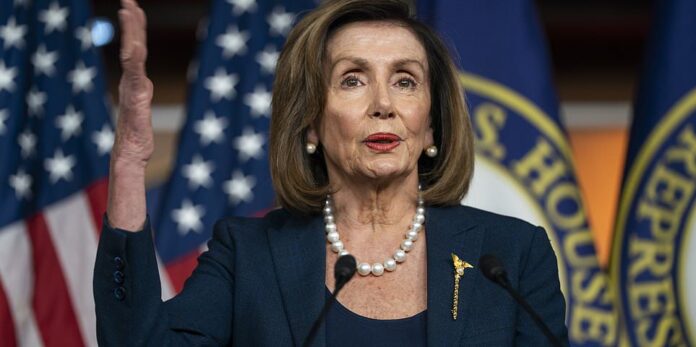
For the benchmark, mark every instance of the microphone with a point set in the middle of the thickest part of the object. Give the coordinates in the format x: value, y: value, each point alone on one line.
x: 494, y: 270
x: 343, y: 271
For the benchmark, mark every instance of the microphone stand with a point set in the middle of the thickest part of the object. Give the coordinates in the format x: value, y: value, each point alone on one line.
x: 493, y: 269
x: 535, y: 317
x: 343, y: 271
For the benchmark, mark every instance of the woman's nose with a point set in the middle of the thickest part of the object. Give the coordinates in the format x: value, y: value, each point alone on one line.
x: 382, y: 106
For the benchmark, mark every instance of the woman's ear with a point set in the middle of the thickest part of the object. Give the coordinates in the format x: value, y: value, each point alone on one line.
x: 429, y: 140
x: 312, y: 136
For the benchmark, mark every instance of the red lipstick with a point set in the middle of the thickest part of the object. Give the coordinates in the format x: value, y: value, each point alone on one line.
x: 382, y: 142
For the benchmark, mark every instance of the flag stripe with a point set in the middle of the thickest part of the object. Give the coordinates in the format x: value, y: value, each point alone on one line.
x: 51, y: 302
x: 16, y: 274
x: 7, y: 326
x: 56, y: 143
x: 71, y: 227
x: 166, y: 283
x: 179, y: 270
x: 96, y: 194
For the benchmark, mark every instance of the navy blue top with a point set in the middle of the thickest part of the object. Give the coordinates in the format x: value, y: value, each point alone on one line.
x: 262, y: 283
x: 347, y: 328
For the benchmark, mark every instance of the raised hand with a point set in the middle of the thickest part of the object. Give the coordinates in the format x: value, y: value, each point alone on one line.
x: 134, y: 142
x: 135, y: 139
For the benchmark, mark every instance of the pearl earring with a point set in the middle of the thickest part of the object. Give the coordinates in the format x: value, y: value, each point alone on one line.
x: 310, y: 148
x: 431, y: 151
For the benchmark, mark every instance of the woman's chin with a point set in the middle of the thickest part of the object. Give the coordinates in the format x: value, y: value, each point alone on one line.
x: 387, y: 171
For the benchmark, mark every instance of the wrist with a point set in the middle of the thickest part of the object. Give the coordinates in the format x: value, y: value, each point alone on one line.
x: 124, y: 166
x: 126, y: 203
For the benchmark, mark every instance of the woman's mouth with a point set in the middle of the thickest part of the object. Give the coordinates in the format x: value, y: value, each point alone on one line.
x: 382, y: 142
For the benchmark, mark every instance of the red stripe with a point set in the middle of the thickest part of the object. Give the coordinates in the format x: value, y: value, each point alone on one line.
x: 96, y: 194
x: 7, y: 331
x: 51, y: 301
x: 180, y: 269
x: 262, y: 212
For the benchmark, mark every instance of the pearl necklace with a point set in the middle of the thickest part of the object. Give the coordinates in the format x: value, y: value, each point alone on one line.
x: 376, y: 269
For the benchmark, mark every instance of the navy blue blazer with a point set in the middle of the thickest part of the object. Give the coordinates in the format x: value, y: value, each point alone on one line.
x: 261, y: 283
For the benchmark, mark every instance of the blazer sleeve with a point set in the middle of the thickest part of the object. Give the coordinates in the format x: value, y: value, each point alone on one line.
x: 540, y: 286
x: 127, y: 293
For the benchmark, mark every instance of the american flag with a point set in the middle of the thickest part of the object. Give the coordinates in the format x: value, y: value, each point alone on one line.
x: 55, y: 139
x: 221, y: 167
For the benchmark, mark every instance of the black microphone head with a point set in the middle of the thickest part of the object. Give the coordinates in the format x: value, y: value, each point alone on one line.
x: 492, y: 268
x: 345, y: 268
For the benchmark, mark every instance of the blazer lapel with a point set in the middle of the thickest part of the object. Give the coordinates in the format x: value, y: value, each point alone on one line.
x: 299, y: 259
x: 449, y: 231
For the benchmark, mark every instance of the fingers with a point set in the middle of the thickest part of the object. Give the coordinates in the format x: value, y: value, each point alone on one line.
x: 133, y: 37
x: 126, y: 33
x: 142, y: 21
x: 138, y: 18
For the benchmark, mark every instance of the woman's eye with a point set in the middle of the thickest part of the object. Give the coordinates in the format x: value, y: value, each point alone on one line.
x: 406, y: 83
x: 350, y: 82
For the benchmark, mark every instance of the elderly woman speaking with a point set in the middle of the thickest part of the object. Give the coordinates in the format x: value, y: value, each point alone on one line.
x: 371, y: 152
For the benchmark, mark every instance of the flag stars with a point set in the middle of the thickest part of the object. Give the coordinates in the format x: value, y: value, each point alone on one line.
x: 84, y: 35
x: 239, y: 188
x: 188, y: 217
x: 241, y: 6
x: 44, y: 61
x: 81, y: 77
x: 21, y: 183
x: 59, y: 167
x: 198, y: 173
x: 210, y: 128
x: 259, y: 101
x: 70, y: 124
x: 221, y: 85
x: 104, y: 139
x: 268, y: 58
x: 249, y: 144
x: 12, y: 34
x: 280, y: 21
x: 233, y: 42
x: 27, y: 143
x: 54, y: 18
x: 7, y: 76
x: 35, y: 102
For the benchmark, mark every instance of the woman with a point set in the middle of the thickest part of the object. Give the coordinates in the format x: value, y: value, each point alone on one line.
x: 371, y: 151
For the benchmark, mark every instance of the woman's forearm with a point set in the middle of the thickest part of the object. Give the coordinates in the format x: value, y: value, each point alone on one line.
x: 126, y: 207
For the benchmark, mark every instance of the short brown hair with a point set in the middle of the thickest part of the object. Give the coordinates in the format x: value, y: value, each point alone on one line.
x: 300, y: 180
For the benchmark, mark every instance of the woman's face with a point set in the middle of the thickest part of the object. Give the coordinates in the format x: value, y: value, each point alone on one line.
x: 376, y: 119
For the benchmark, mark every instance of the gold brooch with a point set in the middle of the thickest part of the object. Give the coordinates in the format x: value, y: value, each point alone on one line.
x: 459, y: 266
